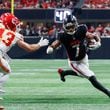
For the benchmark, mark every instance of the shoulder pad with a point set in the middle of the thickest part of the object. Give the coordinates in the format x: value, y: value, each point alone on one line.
x: 82, y: 25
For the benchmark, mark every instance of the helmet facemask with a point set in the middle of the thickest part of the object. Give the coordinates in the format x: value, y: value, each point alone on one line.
x: 19, y: 27
x: 70, y: 24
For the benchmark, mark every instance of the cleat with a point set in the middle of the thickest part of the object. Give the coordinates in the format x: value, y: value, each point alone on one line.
x: 108, y: 93
x: 1, y: 108
x: 60, y: 72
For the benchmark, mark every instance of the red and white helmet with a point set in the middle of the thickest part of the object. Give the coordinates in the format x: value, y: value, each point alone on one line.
x: 10, y: 21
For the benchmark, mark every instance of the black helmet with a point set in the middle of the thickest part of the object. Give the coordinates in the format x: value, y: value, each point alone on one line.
x: 70, y: 24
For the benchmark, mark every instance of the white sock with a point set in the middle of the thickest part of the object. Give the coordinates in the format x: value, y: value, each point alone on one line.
x: 3, y: 79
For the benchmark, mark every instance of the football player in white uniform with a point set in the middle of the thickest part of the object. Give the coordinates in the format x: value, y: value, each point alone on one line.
x: 9, y: 35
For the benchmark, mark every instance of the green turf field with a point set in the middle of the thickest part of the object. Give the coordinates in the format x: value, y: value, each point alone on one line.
x: 35, y: 85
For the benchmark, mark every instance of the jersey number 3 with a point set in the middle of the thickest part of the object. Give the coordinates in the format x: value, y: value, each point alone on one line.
x: 8, y: 38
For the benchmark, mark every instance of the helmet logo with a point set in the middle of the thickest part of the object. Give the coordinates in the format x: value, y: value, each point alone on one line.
x: 15, y: 21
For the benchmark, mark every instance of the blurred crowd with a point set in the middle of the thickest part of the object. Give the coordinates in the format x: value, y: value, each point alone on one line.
x: 51, y: 29
x: 102, y: 30
x: 33, y: 4
x: 40, y: 29
x: 94, y: 4
x: 49, y: 4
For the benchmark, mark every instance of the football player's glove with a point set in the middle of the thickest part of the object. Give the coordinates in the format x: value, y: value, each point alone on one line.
x: 94, y: 45
x: 43, y: 42
x: 49, y: 50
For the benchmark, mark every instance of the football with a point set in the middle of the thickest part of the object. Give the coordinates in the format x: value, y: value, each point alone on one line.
x: 92, y: 42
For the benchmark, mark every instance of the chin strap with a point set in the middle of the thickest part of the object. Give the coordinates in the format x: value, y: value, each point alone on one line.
x: 70, y: 33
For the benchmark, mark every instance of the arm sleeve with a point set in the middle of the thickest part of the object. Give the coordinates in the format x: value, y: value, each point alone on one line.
x: 59, y: 36
x: 83, y: 29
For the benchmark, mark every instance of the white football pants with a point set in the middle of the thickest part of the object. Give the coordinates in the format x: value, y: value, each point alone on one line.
x: 3, y: 74
x: 81, y: 67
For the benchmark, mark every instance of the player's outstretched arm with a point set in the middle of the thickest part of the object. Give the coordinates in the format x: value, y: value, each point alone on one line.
x: 32, y: 47
x: 53, y: 46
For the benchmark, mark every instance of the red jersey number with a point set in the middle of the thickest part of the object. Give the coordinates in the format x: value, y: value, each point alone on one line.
x: 9, y: 39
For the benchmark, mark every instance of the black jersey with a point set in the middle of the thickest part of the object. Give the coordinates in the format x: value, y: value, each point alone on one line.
x: 74, y: 44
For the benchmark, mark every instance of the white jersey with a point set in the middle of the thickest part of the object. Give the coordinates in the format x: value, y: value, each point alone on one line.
x: 8, y: 39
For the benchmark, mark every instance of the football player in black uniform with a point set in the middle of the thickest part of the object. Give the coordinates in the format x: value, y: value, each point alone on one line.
x: 75, y: 38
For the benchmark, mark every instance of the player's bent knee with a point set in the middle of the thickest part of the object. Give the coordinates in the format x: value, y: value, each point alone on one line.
x: 5, y: 66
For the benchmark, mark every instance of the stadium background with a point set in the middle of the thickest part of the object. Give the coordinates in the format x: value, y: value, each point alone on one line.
x: 47, y: 16
x: 35, y: 84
